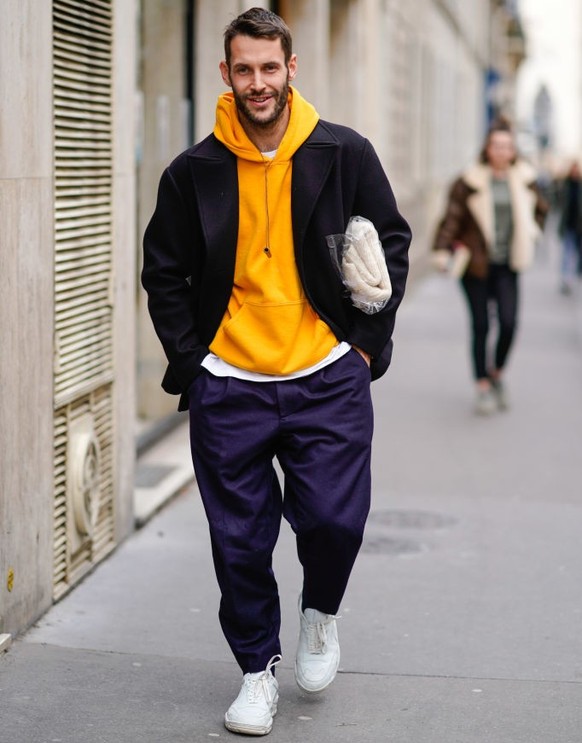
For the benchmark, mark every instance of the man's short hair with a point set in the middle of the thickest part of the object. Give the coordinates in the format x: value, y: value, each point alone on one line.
x: 258, y: 23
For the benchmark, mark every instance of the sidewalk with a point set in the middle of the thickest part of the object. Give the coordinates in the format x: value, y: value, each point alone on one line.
x: 462, y: 622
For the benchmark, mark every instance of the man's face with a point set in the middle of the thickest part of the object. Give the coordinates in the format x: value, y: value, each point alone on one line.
x: 259, y: 78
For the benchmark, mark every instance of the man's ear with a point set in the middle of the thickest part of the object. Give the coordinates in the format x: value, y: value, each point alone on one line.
x: 292, y: 66
x: 223, y: 67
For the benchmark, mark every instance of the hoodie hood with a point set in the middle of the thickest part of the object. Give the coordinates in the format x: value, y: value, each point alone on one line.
x: 228, y: 129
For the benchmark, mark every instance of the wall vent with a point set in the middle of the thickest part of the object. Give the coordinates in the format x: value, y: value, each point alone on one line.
x: 84, y: 494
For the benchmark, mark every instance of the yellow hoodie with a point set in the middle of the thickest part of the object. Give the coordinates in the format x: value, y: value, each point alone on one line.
x: 269, y: 326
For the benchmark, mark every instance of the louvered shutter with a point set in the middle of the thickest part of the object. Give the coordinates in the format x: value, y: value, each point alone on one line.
x: 83, y: 374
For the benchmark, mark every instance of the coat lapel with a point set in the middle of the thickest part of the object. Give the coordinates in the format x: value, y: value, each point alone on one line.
x: 480, y: 202
x: 311, y: 166
x: 525, y: 228
x: 214, y: 174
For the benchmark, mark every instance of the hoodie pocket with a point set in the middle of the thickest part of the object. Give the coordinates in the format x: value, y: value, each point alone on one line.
x: 274, y: 338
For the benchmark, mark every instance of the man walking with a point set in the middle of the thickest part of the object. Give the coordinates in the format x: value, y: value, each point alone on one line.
x: 269, y: 354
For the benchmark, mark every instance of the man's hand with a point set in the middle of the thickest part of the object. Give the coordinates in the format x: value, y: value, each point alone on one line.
x: 366, y: 356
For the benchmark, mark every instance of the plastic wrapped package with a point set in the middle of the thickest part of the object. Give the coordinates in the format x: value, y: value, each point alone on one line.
x: 359, y: 259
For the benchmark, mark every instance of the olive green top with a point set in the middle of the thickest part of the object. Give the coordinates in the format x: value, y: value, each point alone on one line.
x: 499, y: 251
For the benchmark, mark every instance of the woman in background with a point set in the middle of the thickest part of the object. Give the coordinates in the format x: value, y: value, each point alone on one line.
x: 493, y: 217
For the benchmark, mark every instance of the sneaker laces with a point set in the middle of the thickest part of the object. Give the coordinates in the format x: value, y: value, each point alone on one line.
x: 258, y: 684
x: 317, y: 635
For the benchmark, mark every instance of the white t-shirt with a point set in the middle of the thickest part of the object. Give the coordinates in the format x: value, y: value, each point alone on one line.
x: 220, y: 368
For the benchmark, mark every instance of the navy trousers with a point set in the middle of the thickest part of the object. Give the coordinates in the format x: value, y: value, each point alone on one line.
x: 319, y: 428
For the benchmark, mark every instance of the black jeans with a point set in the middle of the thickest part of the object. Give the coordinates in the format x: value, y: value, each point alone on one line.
x: 499, y: 289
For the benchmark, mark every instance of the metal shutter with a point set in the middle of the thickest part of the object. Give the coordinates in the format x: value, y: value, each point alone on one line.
x: 83, y: 374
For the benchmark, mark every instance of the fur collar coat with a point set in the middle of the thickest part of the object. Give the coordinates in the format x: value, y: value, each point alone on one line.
x: 469, y: 217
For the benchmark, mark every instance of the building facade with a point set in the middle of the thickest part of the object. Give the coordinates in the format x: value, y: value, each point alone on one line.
x: 98, y: 97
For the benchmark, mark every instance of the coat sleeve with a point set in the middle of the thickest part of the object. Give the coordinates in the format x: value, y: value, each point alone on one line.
x: 375, y: 201
x: 451, y: 224
x: 169, y: 263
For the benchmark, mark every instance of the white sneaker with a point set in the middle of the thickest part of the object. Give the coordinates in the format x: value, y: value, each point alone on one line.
x: 318, y: 651
x: 485, y: 403
x: 253, y: 710
x: 500, y: 394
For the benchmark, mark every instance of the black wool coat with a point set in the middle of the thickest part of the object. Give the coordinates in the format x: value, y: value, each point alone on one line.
x: 190, y: 245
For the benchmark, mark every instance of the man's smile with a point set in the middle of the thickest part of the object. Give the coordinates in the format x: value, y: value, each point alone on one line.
x: 259, y: 100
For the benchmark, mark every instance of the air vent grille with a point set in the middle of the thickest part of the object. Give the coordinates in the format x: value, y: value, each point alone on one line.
x: 82, y: 54
x: 83, y: 178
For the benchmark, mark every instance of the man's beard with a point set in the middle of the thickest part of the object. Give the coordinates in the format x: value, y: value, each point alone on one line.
x: 280, y: 103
